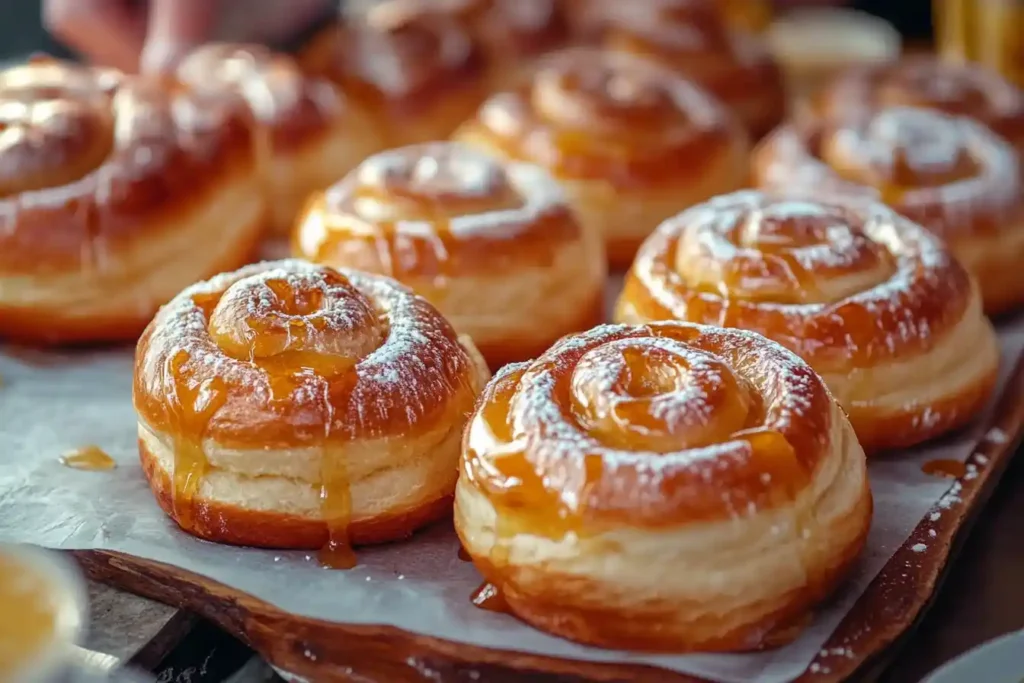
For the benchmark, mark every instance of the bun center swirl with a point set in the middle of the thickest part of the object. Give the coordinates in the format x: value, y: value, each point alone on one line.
x: 780, y: 250
x: 904, y: 147
x: 56, y: 125
x: 306, y: 320
x: 656, y: 395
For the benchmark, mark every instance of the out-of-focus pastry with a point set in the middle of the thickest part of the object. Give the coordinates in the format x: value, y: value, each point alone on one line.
x: 419, y: 75
x: 693, y: 38
x: 115, y: 193
x: 876, y: 304
x: 665, y: 487
x: 930, y: 83
x: 492, y: 244
x: 949, y: 173
x: 290, y: 405
x: 814, y: 44
x: 512, y: 33
x: 315, y: 134
x: 630, y: 142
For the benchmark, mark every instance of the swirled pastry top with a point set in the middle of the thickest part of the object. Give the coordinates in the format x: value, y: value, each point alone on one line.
x: 440, y: 209
x: 949, y: 173
x: 404, y: 60
x: 508, y: 28
x: 291, y: 103
x: 692, y: 36
x: 649, y: 426
x: 596, y: 114
x: 842, y: 282
x: 927, y: 82
x: 288, y: 354
x: 87, y: 155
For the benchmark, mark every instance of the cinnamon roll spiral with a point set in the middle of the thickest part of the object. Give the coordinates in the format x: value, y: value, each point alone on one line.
x: 114, y: 194
x: 694, y: 38
x: 316, y: 135
x: 418, y: 74
x: 289, y: 405
x: 665, y: 487
x: 930, y: 83
x: 948, y: 173
x: 629, y: 142
x: 873, y: 302
x: 491, y: 244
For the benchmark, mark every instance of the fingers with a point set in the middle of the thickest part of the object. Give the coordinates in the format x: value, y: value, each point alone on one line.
x: 107, y: 32
x: 175, y: 27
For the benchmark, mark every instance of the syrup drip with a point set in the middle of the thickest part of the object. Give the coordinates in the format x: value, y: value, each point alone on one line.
x: 952, y: 469
x: 489, y: 597
x: 336, y: 509
x: 91, y: 458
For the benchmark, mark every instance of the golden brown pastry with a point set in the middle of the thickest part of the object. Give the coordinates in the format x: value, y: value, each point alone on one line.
x: 114, y: 194
x: 668, y: 487
x: 512, y: 33
x: 694, y: 38
x: 315, y: 133
x: 491, y: 244
x: 928, y: 82
x: 419, y: 75
x: 951, y: 174
x: 873, y: 302
x: 630, y: 142
x: 289, y: 405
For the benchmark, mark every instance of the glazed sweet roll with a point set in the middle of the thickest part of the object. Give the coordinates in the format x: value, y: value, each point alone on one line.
x: 419, y: 75
x: 114, y: 194
x: 316, y: 135
x: 668, y: 487
x: 875, y: 303
x: 949, y: 173
x: 630, y: 142
x: 290, y: 405
x: 492, y: 244
x: 694, y: 38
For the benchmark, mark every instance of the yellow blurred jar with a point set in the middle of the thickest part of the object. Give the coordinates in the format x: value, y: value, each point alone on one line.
x: 990, y: 32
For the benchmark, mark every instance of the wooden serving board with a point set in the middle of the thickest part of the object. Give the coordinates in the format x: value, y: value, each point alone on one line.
x: 330, y: 651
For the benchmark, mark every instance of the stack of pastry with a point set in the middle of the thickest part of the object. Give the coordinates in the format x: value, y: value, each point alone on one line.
x: 715, y: 437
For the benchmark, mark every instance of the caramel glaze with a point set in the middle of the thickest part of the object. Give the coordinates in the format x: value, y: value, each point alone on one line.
x: 403, y: 64
x: 928, y: 82
x: 506, y: 29
x: 952, y: 469
x: 694, y: 38
x: 426, y: 213
x: 295, y: 107
x: 89, y: 155
x: 92, y: 458
x: 292, y: 355
x: 624, y: 425
x: 842, y: 283
x: 593, y: 114
x: 948, y: 173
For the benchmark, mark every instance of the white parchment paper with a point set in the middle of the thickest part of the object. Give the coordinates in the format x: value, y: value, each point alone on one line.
x: 50, y: 403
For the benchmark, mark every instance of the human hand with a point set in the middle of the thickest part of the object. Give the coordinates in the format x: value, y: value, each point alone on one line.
x: 153, y: 35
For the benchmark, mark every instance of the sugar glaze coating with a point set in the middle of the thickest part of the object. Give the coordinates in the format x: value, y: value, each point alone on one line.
x: 661, y: 447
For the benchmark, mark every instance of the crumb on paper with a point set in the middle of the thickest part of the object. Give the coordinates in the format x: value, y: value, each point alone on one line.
x: 932, y: 533
x: 935, y: 516
x: 919, y: 547
x: 996, y: 435
x: 980, y: 459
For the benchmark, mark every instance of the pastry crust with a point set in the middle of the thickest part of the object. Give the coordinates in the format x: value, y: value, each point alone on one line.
x: 948, y: 173
x: 290, y: 405
x: 418, y: 74
x: 667, y: 487
x: 876, y: 304
x: 629, y: 142
x: 695, y: 38
x: 115, y: 193
x: 928, y: 82
x: 316, y: 135
x: 492, y: 244
x: 511, y: 33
